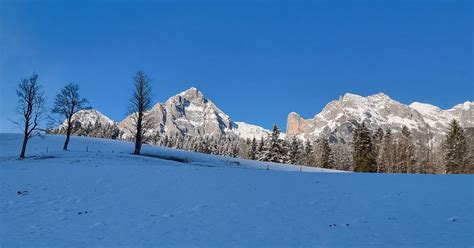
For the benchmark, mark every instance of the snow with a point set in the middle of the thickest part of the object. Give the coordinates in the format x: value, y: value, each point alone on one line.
x: 466, y: 105
x: 425, y: 108
x: 249, y: 131
x: 193, y: 107
x: 114, y: 199
x: 89, y: 116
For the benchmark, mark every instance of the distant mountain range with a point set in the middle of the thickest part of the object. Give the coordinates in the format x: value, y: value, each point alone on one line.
x: 192, y: 113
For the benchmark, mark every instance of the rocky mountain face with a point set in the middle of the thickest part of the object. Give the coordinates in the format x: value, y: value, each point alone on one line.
x: 339, y: 117
x: 191, y: 113
x: 87, y: 117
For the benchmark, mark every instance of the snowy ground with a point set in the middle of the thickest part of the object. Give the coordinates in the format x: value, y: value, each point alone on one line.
x: 113, y: 199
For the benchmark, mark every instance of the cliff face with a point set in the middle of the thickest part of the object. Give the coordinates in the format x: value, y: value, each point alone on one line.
x: 296, y: 124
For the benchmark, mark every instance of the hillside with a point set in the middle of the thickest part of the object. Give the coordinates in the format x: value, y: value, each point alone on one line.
x: 97, y: 194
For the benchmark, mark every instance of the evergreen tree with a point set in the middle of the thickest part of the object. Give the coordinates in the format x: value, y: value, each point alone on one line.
x: 406, y: 152
x: 260, y: 150
x: 378, y: 143
x: 308, y: 153
x: 327, y: 156
x: 455, y: 148
x: 386, y: 155
x: 253, y: 149
x: 363, y: 151
x: 294, y: 153
x: 274, y: 150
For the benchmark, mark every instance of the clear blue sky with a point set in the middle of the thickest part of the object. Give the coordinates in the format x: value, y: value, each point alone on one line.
x: 256, y: 60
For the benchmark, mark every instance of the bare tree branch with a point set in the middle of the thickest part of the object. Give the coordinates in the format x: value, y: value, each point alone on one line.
x: 30, y: 108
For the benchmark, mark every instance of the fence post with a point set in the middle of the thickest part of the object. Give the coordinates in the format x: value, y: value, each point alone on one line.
x: 47, y: 148
x: 87, y: 148
x: 268, y: 167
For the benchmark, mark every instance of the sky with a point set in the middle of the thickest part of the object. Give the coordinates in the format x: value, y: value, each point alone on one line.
x: 256, y: 60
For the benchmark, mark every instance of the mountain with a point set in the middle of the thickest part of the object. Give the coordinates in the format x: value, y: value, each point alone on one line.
x: 339, y: 117
x: 439, y: 119
x: 192, y: 113
x: 89, y: 117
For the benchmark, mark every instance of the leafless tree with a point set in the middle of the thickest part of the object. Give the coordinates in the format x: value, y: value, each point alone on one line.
x: 67, y: 103
x: 140, y: 103
x: 30, y: 108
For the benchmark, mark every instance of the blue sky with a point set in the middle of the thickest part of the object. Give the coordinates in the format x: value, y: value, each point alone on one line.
x: 257, y: 60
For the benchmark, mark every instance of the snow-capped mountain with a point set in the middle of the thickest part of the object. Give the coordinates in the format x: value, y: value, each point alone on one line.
x: 339, y: 117
x: 439, y: 119
x: 89, y: 117
x: 191, y: 113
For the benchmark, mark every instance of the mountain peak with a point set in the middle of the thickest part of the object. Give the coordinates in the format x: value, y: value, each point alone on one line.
x: 381, y: 95
x: 192, y: 93
x: 190, y: 90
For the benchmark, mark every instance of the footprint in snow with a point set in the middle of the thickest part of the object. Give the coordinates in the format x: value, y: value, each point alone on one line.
x: 453, y: 218
x: 22, y: 193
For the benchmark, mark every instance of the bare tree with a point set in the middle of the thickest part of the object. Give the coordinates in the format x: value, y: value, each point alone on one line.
x: 140, y: 103
x: 67, y: 103
x: 30, y: 108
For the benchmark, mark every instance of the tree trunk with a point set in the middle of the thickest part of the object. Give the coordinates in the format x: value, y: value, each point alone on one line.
x: 23, y: 147
x: 138, y: 135
x: 68, y: 134
x: 25, y: 139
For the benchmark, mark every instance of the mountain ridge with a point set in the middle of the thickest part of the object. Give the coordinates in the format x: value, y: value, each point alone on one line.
x: 190, y: 112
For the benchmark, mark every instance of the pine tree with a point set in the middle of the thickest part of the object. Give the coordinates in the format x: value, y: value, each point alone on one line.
x: 253, y: 149
x: 327, y: 156
x: 294, y: 153
x: 455, y: 148
x: 260, y: 149
x: 363, y: 151
x: 274, y: 150
x: 386, y: 156
x: 378, y: 143
x: 308, y: 153
x: 406, y: 151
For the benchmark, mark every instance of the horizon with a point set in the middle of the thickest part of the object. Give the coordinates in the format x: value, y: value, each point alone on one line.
x: 256, y: 62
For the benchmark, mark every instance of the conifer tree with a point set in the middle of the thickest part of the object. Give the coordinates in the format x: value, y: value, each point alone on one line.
x: 406, y: 151
x: 363, y: 152
x: 386, y: 156
x: 378, y: 143
x: 253, y: 149
x: 308, y: 153
x: 327, y: 156
x: 455, y: 148
x: 294, y: 153
x: 274, y: 150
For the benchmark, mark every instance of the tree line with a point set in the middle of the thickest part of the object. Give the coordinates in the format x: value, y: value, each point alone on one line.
x: 380, y: 152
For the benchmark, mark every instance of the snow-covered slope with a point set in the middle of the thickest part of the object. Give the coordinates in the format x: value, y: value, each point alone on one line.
x: 108, y: 198
x: 338, y: 118
x: 192, y: 113
x: 438, y: 119
x: 249, y: 131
